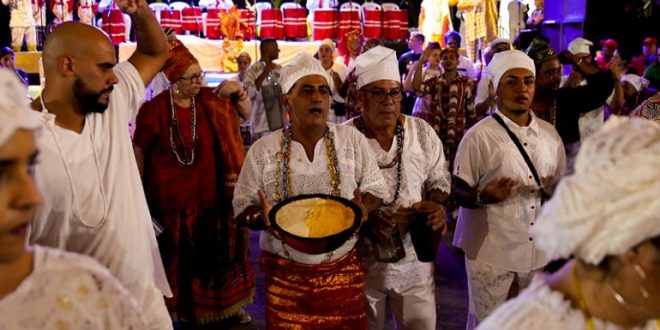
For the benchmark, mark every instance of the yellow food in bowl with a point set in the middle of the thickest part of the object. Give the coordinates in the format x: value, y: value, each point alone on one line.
x: 315, y: 217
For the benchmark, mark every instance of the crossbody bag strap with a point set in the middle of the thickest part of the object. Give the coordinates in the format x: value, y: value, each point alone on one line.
x: 515, y: 140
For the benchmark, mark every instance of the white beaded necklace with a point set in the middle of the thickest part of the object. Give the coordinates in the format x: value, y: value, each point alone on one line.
x: 76, y: 209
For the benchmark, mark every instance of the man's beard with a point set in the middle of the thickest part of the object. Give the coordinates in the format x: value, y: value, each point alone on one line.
x: 88, y: 99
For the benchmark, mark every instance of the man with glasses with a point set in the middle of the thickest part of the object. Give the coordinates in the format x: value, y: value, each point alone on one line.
x: 411, y: 159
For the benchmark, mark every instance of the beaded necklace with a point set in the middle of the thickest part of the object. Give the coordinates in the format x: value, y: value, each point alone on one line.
x: 183, y: 159
x: 284, y: 170
x: 397, y: 160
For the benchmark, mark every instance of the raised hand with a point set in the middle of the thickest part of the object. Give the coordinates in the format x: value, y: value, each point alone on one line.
x: 497, y: 189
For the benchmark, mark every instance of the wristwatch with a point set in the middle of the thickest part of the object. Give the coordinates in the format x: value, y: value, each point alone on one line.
x: 478, y: 202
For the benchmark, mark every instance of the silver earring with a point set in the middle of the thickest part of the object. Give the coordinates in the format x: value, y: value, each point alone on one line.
x: 642, y: 276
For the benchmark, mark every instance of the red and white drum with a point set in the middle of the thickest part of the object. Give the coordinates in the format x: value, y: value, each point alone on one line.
x: 112, y: 22
x: 213, y: 23
x: 271, y: 24
x: 248, y: 30
x: 325, y: 24
x: 191, y: 19
x: 349, y: 20
x: 171, y: 19
x: 295, y: 23
x: 373, y: 23
x: 391, y: 24
x: 403, y: 25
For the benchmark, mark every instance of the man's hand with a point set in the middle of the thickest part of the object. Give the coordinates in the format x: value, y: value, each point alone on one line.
x: 434, y: 213
x: 129, y: 6
x: 265, y: 210
x: 497, y: 190
x: 229, y: 88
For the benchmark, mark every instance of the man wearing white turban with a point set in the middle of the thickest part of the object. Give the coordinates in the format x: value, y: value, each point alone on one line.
x: 410, y: 157
x: 606, y: 215
x: 499, y: 193
x: 309, y: 156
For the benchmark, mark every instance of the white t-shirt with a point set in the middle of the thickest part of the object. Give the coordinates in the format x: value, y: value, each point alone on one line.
x: 498, y: 234
x: 101, y: 177
x: 424, y: 168
x: 358, y: 169
x: 69, y: 291
x: 540, y: 308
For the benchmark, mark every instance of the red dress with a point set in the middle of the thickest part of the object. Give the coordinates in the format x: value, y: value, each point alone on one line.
x: 203, y: 249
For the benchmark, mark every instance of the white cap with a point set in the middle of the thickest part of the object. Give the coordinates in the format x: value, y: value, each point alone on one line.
x: 636, y: 81
x: 499, y: 41
x: 507, y: 60
x: 378, y: 63
x: 329, y: 43
x: 579, y: 46
x: 610, y: 203
x: 302, y: 65
x: 15, y: 112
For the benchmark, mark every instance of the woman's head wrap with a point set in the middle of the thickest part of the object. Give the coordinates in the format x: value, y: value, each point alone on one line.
x: 610, y: 203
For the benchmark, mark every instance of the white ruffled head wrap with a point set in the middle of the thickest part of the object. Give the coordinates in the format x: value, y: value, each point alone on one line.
x: 15, y: 112
x: 329, y: 43
x: 378, y: 63
x: 636, y: 81
x: 579, y: 46
x: 507, y: 60
x: 611, y: 203
x: 302, y: 65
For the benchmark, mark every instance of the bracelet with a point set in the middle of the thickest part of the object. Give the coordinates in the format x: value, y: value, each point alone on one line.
x: 478, y: 202
x: 253, y: 218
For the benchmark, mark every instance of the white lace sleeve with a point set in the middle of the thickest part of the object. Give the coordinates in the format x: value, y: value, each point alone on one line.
x: 367, y: 174
x: 71, y: 292
x: 438, y: 168
x: 250, y: 181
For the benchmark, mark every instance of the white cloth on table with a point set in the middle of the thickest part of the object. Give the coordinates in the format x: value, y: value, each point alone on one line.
x: 498, y: 234
x: 424, y: 168
x: 539, y: 307
x: 258, y: 120
x: 358, y: 169
x: 124, y: 241
x: 69, y: 291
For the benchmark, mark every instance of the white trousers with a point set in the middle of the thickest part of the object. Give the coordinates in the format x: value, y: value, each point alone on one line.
x: 489, y: 287
x: 413, y: 308
x: 19, y: 33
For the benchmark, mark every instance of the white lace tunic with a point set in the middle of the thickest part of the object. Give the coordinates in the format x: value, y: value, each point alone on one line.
x: 540, y: 308
x: 69, y: 291
x: 424, y: 168
x: 357, y: 166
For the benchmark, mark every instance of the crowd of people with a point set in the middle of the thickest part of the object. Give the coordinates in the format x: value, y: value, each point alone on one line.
x: 549, y: 184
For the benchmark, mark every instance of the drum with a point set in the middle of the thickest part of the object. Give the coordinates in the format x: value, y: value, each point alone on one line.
x: 248, y: 24
x: 325, y: 24
x: 112, y: 23
x: 373, y: 23
x: 295, y: 23
x: 191, y: 19
x: 349, y: 20
x: 271, y: 24
x: 213, y: 23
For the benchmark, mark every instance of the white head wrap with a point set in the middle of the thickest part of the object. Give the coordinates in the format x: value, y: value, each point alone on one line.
x: 507, y: 60
x: 302, y: 65
x: 579, y: 46
x: 611, y: 202
x: 329, y: 43
x: 636, y: 81
x: 15, y: 112
x: 378, y: 63
x: 499, y: 41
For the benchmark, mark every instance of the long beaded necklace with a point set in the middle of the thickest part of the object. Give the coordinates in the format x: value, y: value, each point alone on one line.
x: 284, y: 170
x: 184, y: 159
x: 104, y: 199
x: 397, y: 160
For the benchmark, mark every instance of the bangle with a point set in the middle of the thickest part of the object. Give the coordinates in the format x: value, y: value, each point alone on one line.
x: 478, y: 202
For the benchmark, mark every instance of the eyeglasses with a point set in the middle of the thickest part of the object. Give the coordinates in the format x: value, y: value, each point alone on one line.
x: 198, y: 76
x: 380, y: 95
